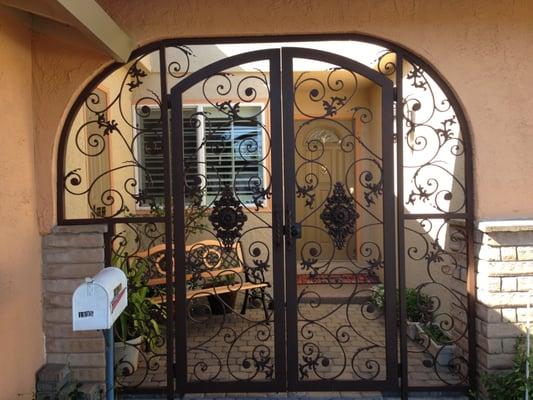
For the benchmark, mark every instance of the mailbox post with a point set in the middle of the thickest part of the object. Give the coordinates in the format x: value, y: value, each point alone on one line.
x: 96, y: 304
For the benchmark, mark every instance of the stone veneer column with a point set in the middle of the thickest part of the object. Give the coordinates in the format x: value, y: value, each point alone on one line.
x: 71, y: 253
x: 504, y: 266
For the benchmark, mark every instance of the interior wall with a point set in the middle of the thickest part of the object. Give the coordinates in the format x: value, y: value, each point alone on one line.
x: 20, y: 243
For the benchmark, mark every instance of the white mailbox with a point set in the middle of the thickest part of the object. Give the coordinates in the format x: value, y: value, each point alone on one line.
x: 98, y: 302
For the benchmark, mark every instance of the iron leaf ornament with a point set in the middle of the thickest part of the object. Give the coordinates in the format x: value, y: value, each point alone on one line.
x: 227, y: 218
x: 339, y: 215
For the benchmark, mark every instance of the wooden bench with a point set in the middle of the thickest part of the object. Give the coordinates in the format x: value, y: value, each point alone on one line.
x: 209, y: 264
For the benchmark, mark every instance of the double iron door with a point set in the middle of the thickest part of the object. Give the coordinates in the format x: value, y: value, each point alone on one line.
x: 284, y: 229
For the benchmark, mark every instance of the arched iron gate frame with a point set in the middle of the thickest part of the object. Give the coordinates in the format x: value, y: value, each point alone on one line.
x: 285, y: 83
x: 401, y: 55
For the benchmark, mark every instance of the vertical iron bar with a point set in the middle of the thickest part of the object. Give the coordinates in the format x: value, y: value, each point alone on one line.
x: 178, y: 181
x: 290, y: 253
x: 471, y: 268
x: 404, y: 382
x: 277, y: 222
x: 389, y: 232
x: 107, y: 244
x: 168, y: 222
x: 109, y: 333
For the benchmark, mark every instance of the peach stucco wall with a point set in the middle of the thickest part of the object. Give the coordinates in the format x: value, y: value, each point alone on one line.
x: 20, y: 245
x: 481, y: 47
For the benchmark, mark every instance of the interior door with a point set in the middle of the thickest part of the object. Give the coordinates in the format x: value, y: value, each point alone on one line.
x: 339, y: 198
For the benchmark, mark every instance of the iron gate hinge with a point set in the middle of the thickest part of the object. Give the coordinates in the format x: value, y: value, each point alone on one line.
x: 395, y: 93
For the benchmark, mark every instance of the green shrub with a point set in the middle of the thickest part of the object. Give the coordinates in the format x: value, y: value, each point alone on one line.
x: 436, y: 333
x: 419, y: 306
x: 511, y: 384
x: 137, y: 319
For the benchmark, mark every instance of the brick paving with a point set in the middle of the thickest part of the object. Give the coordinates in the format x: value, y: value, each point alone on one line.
x: 341, y: 345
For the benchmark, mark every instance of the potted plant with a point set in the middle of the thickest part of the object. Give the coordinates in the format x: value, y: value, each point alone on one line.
x: 420, y: 324
x: 417, y: 304
x: 437, y: 343
x: 135, y: 327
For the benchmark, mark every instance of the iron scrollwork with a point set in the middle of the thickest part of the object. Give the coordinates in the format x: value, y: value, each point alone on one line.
x: 333, y: 343
x: 226, y: 344
x: 337, y: 341
x: 339, y: 215
x: 227, y: 217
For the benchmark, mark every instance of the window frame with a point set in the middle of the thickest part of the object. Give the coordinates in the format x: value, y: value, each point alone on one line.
x: 263, y: 118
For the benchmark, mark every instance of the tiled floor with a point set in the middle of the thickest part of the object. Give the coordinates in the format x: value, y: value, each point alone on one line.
x: 336, y: 341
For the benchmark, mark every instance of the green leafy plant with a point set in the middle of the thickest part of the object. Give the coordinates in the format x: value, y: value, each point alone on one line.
x: 136, y: 320
x: 436, y: 333
x: 195, y: 213
x: 418, y: 305
x: 511, y: 384
x: 222, y: 280
x: 378, y: 296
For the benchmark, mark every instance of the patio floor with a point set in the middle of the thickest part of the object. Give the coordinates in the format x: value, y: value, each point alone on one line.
x: 343, y: 345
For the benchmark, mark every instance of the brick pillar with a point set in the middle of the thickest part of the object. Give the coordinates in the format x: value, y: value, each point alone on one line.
x: 71, y: 253
x: 504, y: 258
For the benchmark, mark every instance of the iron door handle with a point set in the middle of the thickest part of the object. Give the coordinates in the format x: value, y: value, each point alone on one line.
x: 292, y: 230
x: 296, y: 231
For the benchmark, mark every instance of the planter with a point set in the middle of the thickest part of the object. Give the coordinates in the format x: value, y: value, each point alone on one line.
x: 412, y: 330
x: 127, y: 356
x: 443, y: 353
x: 223, y: 303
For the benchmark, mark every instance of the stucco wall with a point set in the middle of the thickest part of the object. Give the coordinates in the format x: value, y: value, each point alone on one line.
x: 20, y: 243
x: 480, y: 47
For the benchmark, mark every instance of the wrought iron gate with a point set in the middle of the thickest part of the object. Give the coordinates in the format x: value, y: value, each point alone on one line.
x: 289, y: 219
x: 342, y: 233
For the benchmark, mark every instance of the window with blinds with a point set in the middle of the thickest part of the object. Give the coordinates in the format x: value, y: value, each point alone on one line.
x: 150, y: 145
x: 218, y: 150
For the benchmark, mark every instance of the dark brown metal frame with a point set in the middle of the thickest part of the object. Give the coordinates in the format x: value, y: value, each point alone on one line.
x: 401, y: 54
x: 391, y: 383
x: 278, y: 384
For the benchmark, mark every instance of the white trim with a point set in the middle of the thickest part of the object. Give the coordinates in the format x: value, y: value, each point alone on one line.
x: 516, y: 225
x: 98, y: 25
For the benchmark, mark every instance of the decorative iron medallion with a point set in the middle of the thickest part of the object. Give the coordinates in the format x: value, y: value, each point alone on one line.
x: 227, y: 217
x: 339, y: 215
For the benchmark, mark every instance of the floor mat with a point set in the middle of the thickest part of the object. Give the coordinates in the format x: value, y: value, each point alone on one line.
x: 321, y: 279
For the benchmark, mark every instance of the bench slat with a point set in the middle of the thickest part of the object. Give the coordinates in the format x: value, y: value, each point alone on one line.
x: 198, y: 293
x: 214, y: 273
